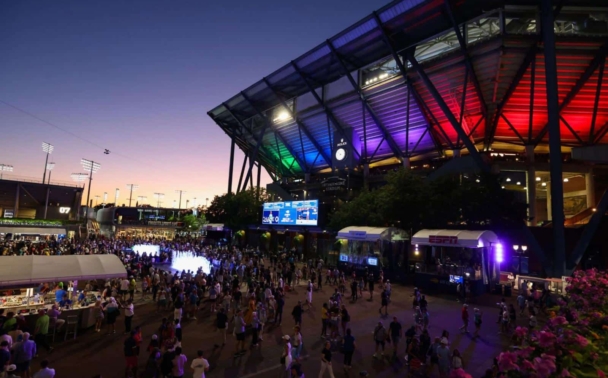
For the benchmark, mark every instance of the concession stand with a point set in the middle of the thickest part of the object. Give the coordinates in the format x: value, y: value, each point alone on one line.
x: 22, y: 277
x: 373, y: 249
x: 447, y: 258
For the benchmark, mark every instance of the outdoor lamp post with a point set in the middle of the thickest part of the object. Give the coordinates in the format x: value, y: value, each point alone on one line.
x: 48, y: 148
x: 91, y: 167
x: 105, y: 197
x: 131, y: 188
x: 116, y: 193
x: 5, y: 168
x: 159, y: 196
x: 96, y: 200
x: 49, y: 167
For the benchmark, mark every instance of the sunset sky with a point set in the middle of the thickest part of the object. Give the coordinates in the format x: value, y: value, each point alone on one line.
x: 138, y: 77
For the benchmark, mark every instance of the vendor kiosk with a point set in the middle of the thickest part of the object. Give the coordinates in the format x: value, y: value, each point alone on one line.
x: 372, y: 249
x: 452, y: 260
x: 22, y: 276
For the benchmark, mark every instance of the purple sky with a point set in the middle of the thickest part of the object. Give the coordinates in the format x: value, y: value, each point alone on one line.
x: 138, y: 77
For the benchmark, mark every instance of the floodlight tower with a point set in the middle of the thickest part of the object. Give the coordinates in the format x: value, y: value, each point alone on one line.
x: 180, y: 197
x: 116, y: 197
x: 131, y: 188
x: 5, y: 168
x: 49, y: 167
x: 142, y: 199
x: 158, y: 196
x: 105, y: 197
x: 79, y: 177
x: 48, y: 148
x: 91, y: 167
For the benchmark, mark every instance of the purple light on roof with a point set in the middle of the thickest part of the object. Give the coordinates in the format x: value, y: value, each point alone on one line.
x: 498, y: 252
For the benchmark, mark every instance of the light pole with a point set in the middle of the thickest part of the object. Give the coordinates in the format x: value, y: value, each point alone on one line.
x: 5, y: 168
x: 48, y: 148
x: 49, y: 167
x: 187, y: 201
x: 516, y: 248
x: 91, y: 167
x: 142, y: 199
x: 96, y: 200
x: 180, y: 197
x: 158, y: 196
x: 206, y: 201
x: 116, y: 193
x: 194, y: 202
x: 131, y: 188
x: 79, y: 177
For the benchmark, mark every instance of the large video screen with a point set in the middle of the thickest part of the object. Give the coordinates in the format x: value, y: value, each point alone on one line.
x: 289, y: 213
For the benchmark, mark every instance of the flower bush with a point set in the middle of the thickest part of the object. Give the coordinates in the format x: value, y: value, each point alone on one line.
x: 573, y: 342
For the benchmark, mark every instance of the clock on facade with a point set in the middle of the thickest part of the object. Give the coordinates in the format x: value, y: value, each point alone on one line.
x: 340, y: 154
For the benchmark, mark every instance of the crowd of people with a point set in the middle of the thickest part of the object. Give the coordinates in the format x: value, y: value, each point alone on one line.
x: 244, y: 293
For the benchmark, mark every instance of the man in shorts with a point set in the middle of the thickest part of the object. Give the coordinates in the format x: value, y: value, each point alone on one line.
x: 239, y: 332
x: 395, y: 331
x: 130, y: 345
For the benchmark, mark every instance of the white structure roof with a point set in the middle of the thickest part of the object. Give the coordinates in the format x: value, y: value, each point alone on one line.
x: 364, y: 233
x: 28, y: 270
x: 455, y: 238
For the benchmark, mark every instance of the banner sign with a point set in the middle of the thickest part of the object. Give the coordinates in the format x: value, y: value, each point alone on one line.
x: 436, y: 239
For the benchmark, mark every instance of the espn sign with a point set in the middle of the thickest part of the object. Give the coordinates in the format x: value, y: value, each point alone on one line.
x: 436, y: 239
x: 64, y: 210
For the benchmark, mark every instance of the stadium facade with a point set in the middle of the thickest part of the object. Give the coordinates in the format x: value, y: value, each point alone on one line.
x: 440, y: 86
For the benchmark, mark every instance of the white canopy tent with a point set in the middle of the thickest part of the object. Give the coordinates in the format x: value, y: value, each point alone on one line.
x: 455, y: 238
x: 28, y: 270
x: 363, y: 233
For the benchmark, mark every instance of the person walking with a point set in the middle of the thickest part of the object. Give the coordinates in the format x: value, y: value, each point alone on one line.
x: 477, y: 315
x: 326, y: 361
x: 309, y: 288
x: 199, y: 365
x: 129, y: 312
x: 370, y: 280
x: 297, y: 343
x: 286, y: 358
x: 23, y: 353
x: 239, y: 333
x: 465, y: 318
x: 297, y: 313
x: 278, y: 317
x: 98, y: 313
x: 379, y: 338
x: 324, y: 320
x: 348, y: 347
x: 45, y: 371
x: 395, y: 331
x: 179, y: 363
x: 384, y: 303
x: 443, y: 358
x: 344, y: 318
x: 130, y: 350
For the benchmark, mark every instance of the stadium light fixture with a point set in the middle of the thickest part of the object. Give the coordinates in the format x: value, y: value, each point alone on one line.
x: 282, y: 116
x: 159, y: 196
x: 49, y: 167
x: 48, y: 148
x: 79, y: 176
x: 5, y: 168
x: 131, y: 188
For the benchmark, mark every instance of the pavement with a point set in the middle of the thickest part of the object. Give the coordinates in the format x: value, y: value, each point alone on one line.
x: 102, y: 353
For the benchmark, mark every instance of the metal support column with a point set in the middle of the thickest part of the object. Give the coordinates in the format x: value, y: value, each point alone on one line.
x: 46, y: 202
x: 231, y: 168
x: 238, y: 188
x: 555, y: 153
x: 531, y: 185
x: 259, y: 179
x: 16, y: 209
x: 406, y: 163
x: 590, y: 189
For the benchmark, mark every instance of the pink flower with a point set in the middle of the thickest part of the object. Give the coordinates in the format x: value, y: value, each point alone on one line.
x: 459, y: 373
x: 544, y: 365
x: 546, y: 339
x: 521, y: 332
x: 527, y: 365
x: 601, y: 374
x: 525, y: 352
x: 507, y: 361
x: 565, y: 373
x: 581, y: 341
x: 558, y: 321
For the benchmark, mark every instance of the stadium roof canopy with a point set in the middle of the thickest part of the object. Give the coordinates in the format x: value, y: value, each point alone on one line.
x: 410, y: 74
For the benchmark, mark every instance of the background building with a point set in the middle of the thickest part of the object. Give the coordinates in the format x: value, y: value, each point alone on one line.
x: 439, y: 87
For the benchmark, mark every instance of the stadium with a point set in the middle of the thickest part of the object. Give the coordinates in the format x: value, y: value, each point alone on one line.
x: 439, y: 87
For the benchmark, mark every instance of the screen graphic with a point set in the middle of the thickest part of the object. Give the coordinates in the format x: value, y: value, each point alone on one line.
x: 291, y: 213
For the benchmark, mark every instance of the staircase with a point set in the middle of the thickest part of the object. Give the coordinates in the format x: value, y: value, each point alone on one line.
x: 580, y: 218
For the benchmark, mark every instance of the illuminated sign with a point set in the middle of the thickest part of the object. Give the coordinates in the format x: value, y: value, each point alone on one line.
x: 303, y: 213
x: 436, y: 239
x: 64, y: 210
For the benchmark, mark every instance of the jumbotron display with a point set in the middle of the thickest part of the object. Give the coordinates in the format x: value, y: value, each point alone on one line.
x: 291, y: 213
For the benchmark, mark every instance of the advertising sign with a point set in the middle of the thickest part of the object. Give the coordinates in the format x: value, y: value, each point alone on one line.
x: 436, y: 239
x: 291, y: 213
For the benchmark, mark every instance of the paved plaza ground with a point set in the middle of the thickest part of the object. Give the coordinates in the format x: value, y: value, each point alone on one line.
x: 101, y: 353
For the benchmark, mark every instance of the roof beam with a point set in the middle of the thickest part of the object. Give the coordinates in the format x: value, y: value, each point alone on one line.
x: 258, y: 140
x: 595, y: 63
x: 530, y: 56
x: 289, y: 148
x: 420, y: 104
x: 300, y: 124
x: 389, y: 139
x: 326, y: 109
x: 467, y: 56
x: 410, y: 87
x: 244, y: 126
x: 598, y: 90
x: 483, y: 166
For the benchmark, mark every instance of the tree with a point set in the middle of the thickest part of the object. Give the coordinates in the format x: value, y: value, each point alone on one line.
x: 237, y: 210
x: 362, y: 211
x: 193, y: 223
